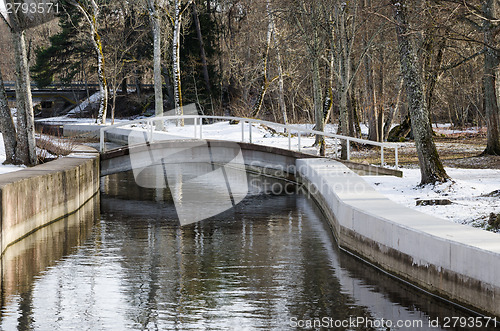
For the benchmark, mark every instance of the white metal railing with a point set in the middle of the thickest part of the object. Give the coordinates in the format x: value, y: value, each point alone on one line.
x: 198, y: 131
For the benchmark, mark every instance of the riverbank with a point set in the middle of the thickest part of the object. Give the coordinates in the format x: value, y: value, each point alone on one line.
x: 34, y: 197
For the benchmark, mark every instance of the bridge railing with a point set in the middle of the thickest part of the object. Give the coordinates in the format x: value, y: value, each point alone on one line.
x: 11, y: 85
x: 246, y: 131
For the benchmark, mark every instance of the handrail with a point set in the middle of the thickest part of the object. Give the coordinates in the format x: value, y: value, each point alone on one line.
x: 198, y: 121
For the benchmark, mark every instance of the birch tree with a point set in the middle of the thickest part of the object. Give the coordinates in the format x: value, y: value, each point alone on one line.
x: 90, y: 11
x: 155, y: 19
x: 179, y: 9
x: 431, y: 168
x: 274, y: 32
x: 264, y: 81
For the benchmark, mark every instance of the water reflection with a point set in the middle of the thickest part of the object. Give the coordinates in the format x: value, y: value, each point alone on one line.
x: 24, y: 261
x: 267, y: 262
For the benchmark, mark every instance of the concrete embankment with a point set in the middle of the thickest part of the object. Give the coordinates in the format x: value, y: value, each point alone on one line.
x: 34, y: 197
x: 454, y: 261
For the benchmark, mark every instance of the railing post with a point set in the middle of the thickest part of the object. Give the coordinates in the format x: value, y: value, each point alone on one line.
x: 298, y: 136
x: 102, y: 145
x: 336, y: 147
x: 289, y: 139
x: 396, y: 156
x: 242, y: 131
x: 382, y: 156
x: 195, y: 127
x: 348, y: 149
x: 151, y: 129
x: 201, y: 128
x: 250, y: 131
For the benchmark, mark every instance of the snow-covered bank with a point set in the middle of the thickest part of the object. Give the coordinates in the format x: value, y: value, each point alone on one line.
x: 6, y: 168
x: 467, y: 192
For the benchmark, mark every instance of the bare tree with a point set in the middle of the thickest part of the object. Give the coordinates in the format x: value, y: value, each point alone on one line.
x: 308, y: 18
x: 7, y: 126
x: 90, y: 10
x: 155, y: 18
x: 179, y: 9
x: 25, y: 152
x: 124, y: 33
x: 431, y: 168
x: 203, y: 54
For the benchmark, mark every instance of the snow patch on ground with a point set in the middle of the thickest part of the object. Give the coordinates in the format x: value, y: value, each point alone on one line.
x: 93, y: 99
x: 447, y: 129
x: 466, y: 191
x: 6, y: 168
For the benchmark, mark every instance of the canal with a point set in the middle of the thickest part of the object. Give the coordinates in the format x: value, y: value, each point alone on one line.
x: 123, y: 262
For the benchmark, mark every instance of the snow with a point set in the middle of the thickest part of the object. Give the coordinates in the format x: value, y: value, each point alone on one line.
x: 447, y: 129
x: 466, y: 191
x: 6, y: 168
x: 93, y: 99
x: 260, y: 135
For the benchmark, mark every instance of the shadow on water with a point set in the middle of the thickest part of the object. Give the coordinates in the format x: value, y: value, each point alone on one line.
x: 269, y: 263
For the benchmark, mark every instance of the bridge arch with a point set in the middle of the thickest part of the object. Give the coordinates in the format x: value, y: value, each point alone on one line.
x: 265, y: 159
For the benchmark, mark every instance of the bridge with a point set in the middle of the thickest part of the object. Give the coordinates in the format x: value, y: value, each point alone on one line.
x: 138, y: 140
x: 56, y: 93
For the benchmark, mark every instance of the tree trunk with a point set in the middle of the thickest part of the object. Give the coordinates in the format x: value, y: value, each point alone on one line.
x: 344, y: 78
x: 431, y: 168
x: 202, y: 49
x: 156, y: 28
x: 264, y: 80
x: 103, y: 86
x: 351, y: 106
x: 91, y: 15
x: 26, y: 146
x: 491, y: 62
x: 168, y: 86
x: 371, y: 98
x: 7, y: 126
x: 176, y: 46
x: 124, y: 85
x: 380, y: 98
x: 394, y: 108
x: 318, y: 101
x: 281, y: 91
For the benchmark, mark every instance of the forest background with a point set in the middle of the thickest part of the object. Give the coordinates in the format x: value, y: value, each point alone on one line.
x: 324, y: 61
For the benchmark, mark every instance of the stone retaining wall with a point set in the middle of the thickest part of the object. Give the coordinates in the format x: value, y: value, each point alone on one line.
x: 454, y: 261
x: 34, y: 197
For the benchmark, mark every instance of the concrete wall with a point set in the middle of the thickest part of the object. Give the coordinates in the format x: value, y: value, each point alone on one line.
x: 454, y: 261
x: 257, y: 157
x: 34, y: 197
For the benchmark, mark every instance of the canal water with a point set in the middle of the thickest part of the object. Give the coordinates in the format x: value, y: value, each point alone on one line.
x: 123, y: 262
